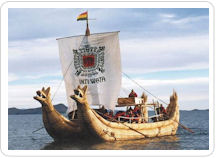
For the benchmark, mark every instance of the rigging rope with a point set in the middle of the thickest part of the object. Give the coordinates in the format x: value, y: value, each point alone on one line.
x: 143, y: 88
x: 61, y: 81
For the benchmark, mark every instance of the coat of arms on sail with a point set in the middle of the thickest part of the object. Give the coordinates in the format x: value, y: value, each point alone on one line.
x: 89, y: 61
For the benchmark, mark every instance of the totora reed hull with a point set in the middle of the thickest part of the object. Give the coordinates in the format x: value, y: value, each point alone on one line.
x: 92, y: 125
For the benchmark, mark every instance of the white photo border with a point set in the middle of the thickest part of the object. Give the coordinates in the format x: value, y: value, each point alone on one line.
x: 105, y: 4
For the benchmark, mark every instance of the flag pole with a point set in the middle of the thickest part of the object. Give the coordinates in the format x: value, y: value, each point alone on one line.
x: 87, y: 33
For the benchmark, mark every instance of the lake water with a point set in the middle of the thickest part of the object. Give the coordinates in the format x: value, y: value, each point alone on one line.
x: 20, y: 136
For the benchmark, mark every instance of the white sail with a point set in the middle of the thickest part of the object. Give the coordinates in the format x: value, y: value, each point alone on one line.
x: 93, y: 61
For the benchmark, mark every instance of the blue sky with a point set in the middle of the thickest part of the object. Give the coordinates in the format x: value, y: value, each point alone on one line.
x: 162, y: 49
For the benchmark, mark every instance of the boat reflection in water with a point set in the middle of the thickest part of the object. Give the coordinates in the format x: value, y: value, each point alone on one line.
x: 157, y: 143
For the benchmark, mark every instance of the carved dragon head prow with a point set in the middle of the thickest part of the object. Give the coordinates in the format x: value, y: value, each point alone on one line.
x: 80, y: 95
x: 43, y: 96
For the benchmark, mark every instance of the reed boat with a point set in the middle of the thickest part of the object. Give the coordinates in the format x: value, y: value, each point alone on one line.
x: 91, y: 68
x: 91, y: 124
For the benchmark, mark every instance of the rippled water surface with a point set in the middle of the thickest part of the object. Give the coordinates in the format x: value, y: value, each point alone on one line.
x: 20, y: 136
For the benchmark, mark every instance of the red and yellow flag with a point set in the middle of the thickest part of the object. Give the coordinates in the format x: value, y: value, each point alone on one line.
x: 83, y: 16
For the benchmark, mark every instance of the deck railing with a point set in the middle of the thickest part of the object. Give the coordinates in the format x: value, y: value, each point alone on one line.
x: 137, y: 118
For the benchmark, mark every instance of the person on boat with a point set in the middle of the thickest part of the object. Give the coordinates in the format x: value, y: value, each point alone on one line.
x: 118, y: 114
x: 103, y: 110
x: 130, y: 109
x: 163, y: 112
x: 137, y: 118
x: 127, y: 115
x: 109, y: 115
x: 132, y: 94
x: 130, y: 114
x: 106, y: 115
x: 157, y: 108
x: 136, y: 108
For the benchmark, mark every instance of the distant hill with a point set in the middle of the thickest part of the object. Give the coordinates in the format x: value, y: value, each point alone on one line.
x: 59, y: 107
x: 196, y: 110
x: 14, y: 111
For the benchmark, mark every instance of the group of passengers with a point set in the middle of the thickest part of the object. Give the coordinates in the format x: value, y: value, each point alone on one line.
x: 130, y: 115
x: 133, y: 115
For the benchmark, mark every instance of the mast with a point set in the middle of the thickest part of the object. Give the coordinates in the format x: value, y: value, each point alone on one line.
x: 87, y: 33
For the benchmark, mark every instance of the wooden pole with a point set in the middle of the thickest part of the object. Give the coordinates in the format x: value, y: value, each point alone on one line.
x: 38, y: 129
x: 184, y: 127
x: 87, y: 33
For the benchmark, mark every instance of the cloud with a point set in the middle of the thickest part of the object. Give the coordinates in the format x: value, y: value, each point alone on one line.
x: 147, y: 69
x: 33, y: 57
x: 162, y: 54
x: 30, y: 23
x: 184, y: 21
x: 193, y: 92
x: 21, y: 96
x: 12, y: 77
x: 34, y: 49
x: 185, y: 81
x: 40, y: 56
x: 57, y: 74
x: 60, y: 22
x: 163, y: 15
